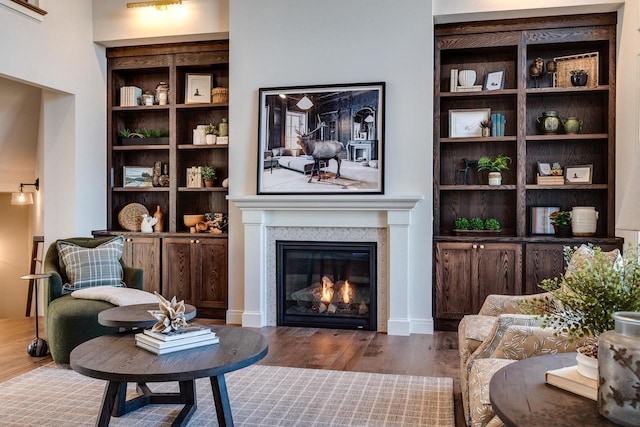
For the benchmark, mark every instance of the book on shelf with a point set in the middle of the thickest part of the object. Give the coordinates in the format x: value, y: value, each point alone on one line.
x: 550, y: 180
x: 141, y: 337
x: 129, y: 96
x: 474, y: 88
x: 187, y: 331
x: 453, y: 82
x: 570, y: 380
x: 174, y: 348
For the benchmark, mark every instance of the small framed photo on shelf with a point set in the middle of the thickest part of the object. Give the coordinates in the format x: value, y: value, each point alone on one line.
x: 494, y: 81
x: 539, y: 219
x: 137, y: 176
x: 578, y: 174
x: 198, y: 88
x: 466, y: 123
x: 544, y: 169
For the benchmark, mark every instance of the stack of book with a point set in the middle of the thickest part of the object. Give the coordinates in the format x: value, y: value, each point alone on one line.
x: 569, y: 379
x: 549, y: 180
x: 130, y: 96
x: 184, y: 338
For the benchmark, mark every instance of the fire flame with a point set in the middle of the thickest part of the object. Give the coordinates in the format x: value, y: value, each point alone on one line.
x: 327, y: 290
x: 346, y: 290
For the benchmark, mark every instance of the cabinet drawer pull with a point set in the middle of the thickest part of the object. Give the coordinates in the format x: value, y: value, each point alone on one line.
x: 191, y: 241
x: 474, y: 246
x: 197, y: 241
x: 481, y: 246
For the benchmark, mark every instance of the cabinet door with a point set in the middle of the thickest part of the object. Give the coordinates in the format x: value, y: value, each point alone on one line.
x: 144, y: 253
x: 499, y: 270
x: 177, y: 272
x: 211, y: 291
x: 543, y: 261
x: 454, y: 282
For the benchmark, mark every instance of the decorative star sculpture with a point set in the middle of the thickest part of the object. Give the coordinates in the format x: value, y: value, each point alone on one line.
x: 170, y: 316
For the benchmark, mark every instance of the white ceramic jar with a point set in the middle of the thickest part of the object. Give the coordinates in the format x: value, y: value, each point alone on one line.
x: 584, y: 221
x: 199, y: 137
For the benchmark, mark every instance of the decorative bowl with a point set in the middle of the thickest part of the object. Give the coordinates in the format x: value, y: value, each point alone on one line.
x: 192, y: 220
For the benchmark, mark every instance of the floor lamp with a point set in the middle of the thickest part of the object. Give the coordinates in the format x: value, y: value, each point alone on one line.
x: 38, y: 347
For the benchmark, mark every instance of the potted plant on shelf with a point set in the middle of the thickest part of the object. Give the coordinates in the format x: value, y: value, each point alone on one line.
x: 561, y: 221
x: 148, y: 136
x: 581, y: 302
x: 495, y: 167
x: 476, y: 226
x: 485, y: 125
x: 208, y: 175
x: 210, y: 133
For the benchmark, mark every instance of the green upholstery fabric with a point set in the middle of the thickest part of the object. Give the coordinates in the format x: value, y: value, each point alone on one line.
x: 70, y: 321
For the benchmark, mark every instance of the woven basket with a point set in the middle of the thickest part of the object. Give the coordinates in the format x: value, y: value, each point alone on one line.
x: 219, y: 95
x: 585, y: 61
x: 130, y: 217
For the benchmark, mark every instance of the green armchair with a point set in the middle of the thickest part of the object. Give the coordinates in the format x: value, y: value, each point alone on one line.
x: 71, y: 321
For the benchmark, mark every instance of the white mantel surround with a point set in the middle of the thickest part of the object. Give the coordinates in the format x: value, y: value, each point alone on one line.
x: 392, y: 213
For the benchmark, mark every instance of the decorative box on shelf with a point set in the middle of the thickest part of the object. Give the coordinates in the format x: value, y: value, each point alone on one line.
x: 550, y: 180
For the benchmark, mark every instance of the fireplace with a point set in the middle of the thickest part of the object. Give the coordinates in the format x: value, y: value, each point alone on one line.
x: 326, y: 284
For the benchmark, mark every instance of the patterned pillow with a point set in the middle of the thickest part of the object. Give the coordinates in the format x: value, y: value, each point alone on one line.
x: 87, y: 267
x: 583, y: 256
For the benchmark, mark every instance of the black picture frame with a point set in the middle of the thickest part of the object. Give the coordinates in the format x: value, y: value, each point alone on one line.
x: 539, y: 219
x: 345, y: 121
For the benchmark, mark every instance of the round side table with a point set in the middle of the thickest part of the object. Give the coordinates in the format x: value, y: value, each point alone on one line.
x: 38, y: 347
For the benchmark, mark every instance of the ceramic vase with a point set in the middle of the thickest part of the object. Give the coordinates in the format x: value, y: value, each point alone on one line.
x: 467, y: 78
x: 584, y: 221
x: 619, y: 370
x: 495, y: 178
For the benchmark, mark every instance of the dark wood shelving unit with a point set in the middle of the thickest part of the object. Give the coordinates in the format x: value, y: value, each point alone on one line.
x: 176, y: 262
x: 467, y: 269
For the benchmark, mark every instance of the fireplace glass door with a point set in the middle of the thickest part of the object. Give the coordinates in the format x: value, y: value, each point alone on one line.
x: 326, y: 284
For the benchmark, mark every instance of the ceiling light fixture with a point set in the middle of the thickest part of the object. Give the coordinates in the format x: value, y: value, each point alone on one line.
x: 23, y: 198
x: 159, y: 4
x: 305, y: 103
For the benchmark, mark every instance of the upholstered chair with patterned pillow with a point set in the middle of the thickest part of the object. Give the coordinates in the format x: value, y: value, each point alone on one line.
x: 81, y: 263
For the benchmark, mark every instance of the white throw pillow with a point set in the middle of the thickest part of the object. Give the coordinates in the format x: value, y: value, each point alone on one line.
x: 116, y: 295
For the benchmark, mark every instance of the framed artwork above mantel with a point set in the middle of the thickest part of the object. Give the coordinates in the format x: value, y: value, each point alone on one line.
x: 321, y: 139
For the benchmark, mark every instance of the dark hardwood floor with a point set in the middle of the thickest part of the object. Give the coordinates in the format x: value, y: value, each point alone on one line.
x: 337, y: 349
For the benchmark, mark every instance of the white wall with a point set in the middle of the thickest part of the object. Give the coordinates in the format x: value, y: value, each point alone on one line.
x: 116, y: 25
x: 19, y: 124
x: 59, y: 56
x: 289, y: 43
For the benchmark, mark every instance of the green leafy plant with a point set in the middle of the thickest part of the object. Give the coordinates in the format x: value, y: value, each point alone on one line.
x: 462, y: 224
x: 581, y: 302
x: 125, y: 133
x: 477, y: 224
x: 208, y: 172
x: 500, y: 163
x: 210, y: 129
x: 560, y: 218
x: 491, y: 224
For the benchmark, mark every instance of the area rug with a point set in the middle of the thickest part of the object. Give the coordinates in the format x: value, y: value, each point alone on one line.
x: 259, y: 395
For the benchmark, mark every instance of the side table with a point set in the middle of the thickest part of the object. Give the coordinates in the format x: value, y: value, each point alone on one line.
x: 38, y: 347
x: 520, y: 397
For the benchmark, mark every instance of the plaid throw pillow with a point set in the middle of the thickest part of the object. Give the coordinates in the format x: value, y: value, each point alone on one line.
x: 88, y: 267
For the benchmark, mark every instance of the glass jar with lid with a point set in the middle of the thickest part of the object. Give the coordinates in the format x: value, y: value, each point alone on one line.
x: 162, y: 93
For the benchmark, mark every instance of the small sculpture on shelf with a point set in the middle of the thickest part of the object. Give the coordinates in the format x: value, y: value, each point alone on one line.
x: 536, y: 71
x: 485, y: 125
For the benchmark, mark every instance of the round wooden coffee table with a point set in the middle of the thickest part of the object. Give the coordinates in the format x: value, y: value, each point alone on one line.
x: 520, y: 397
x: 135, y: 316
x: 116, y: 358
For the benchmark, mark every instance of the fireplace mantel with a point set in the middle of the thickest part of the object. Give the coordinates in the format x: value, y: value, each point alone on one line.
x: 318, y: 211
x: 326, y: 202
